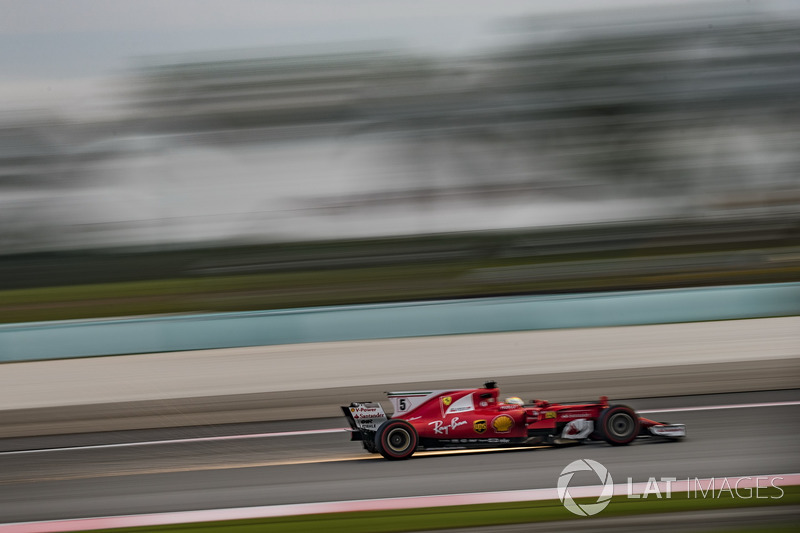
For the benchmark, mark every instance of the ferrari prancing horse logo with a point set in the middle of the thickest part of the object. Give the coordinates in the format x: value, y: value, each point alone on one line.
x: 447, y: 400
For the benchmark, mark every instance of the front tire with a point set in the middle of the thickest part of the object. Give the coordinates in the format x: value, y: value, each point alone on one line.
x: 396, y: 440
x: 618, y: 425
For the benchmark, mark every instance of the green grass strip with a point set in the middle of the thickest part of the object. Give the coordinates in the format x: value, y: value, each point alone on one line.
x: 321, y: 288
x: 433, y: 518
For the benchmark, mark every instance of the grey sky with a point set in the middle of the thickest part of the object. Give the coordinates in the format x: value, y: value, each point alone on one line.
x: 75, y: 38
x: 49, y: 49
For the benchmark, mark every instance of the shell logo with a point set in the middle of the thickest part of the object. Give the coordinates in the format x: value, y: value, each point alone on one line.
x: 502, y: 423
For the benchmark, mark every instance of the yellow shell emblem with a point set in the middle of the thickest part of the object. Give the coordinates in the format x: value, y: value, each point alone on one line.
x: 503, y: 424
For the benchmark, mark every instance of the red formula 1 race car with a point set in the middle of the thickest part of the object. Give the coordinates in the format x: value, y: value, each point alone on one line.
x: 476, y: 418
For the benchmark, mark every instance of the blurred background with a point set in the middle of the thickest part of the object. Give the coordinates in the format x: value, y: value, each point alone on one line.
x: 246, y: 155
x: 183, y: 157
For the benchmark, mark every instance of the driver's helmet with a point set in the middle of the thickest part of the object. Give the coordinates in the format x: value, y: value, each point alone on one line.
x: 514, y: 400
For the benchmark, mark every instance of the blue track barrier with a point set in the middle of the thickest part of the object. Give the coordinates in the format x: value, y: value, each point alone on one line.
x: 83, y: 338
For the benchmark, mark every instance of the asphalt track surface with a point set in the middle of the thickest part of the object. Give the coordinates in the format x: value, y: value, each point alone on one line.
x: 89, y: 478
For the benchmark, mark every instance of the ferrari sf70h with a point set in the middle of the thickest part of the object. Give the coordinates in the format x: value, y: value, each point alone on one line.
x: 476, y: 418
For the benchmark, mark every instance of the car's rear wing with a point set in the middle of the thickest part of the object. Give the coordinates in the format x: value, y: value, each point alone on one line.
x: 364, y: 418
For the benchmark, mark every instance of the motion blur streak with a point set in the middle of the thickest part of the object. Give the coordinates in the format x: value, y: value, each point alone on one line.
x: 286, y: 462
x: 205, y: 468
x: 190, y: 158
x: 718, y: 407
x: 339, y: 430
x: 383, y: 504
x: 181, y: 477
x: 677, y: 111
x: 196, y: 439
x: 648, y: 147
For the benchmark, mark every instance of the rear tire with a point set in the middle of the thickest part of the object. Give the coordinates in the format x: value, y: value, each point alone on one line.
x: 396, y: 440
x: 618, y: 425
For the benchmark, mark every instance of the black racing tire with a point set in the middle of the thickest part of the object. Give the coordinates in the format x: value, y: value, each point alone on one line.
x: 396, y: 440
x: 618, y: 425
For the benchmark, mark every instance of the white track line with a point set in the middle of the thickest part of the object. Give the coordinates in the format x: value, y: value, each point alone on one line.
x: 340, y: 430
x: 183, y: 441
x: 718, y: 407
x: 762, y: 482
